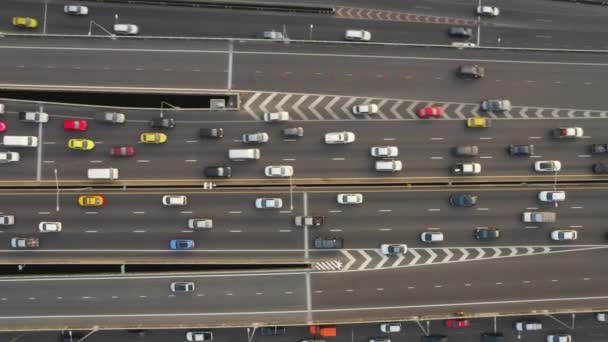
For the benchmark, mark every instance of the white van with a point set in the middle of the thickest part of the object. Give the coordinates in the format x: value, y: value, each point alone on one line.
x: 20, y: 140
x: 244, y: 154
x: 389, y: 165
x: 106, y: 173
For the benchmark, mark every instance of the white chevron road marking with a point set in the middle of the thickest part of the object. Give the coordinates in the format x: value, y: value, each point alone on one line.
x: 465, y: 254
x: 314, y: 104
x: 330, y: 110
x: 383, y: 260
x: 433, y: 256
x: 368, y: 259
x: 266, y: 101
x: 448, y: 255
x: 296, y: 107
x: 416, y: 257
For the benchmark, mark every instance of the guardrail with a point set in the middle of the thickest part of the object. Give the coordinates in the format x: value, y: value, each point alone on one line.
x: 592, y: 2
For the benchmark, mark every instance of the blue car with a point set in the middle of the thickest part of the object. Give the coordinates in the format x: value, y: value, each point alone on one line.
x: 181, y: 244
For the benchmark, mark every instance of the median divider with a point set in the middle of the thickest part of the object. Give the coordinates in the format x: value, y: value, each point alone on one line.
x: 591, y: 2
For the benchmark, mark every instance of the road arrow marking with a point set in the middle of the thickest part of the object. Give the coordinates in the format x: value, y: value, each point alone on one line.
x: 513, y: 251
x: 410, y: 109
x: 380, y: 111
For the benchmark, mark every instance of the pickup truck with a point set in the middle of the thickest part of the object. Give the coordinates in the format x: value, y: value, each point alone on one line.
x: 599, y: 148
x: 314, y: 221
x: 18, y: 242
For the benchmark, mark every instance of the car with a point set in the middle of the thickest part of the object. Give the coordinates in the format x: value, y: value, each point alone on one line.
x: 25, y: 22
x: 75, y: 125
x: 255, y: 138
x: 479, y: 122
x: 427, y: 112
x: 465, y: 151
x: 200, y: 223
x: 365, y: 109
x: 458, y: 31
x: 268, y: 203
x: 390, y: 327
x: 310, y: 221
x: 182, y: 287
x: 484, y: 233
x: 599, y: 148
x: 181, y: 244
x: 457, y: 323
x: 3, y: 126
x: 568, y: 132
x: 75, y: 10
x: 388, y: 165
x: 349, y: 198
x: 91, y: 200
x: 488, y: 11
x: 358, y: 35
x: 538, y: 216
x: 379, y: 339
x: 323, y: 330
x: 162, y: 123
x: 393, y: 249
x: 434, y: 338
x: 339, y: 138
x: 322, y: 242
x: 272, y: 331
x: 384, y: 151
x: 122, y: 151
x: 492, y: 337
x: 7, y: 220
x: 2, y: 108
x: 564, y: 235
x: 293, y: 132
x: 559, y: 338
x: 462, y: 200
x: 111, y: 117
x: 463, y: 44
x: 81, y: 144
x: 199, y: 336
x: 9, y: 157
x: 466, y: 169
x: 524, y: 325
x: 601, y: 316
x: 520, y: 150
x: 279, y: 171
x: 494, y: 105
x: 271, y: 35
x: 153, y: 138
x: 431, y: 237
x: 547, y: 166
x: 552, y: 196
x: 126, y: 29
x: 213, y: 133
x: 599, y: 168
x: 38, y: 117
x: 175, y: 200
x: 25, y: 243
x: 218, y: 171
x: 49, y: 227
x: 276, y: 116
x: 471, y: 71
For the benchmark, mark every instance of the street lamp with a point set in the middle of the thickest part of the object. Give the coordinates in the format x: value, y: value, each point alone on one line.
x: 162, y: 106
x: 310, y: 35
x: 57, y: 186
x: 115, y: 18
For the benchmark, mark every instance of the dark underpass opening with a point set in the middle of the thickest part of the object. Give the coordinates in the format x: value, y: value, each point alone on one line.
x: 130, y: 269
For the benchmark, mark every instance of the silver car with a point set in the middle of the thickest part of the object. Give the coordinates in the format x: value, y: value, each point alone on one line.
x: 7, y: 220
x: 255, y: 138
x: 384, y: 151
x: 278, y: 171
x: 269, y: 203
x: 200, y: 223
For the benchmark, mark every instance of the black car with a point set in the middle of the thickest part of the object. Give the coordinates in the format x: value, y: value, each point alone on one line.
x: 465, y: 151
x: 599, y: 148
x: 435, y: 338
x: 599, y: 168
x: 328, y: 242
x: 521, y: 150
x: 463, y: 200
x: 213, y: 133
x: 486, y: 233
x: 456, y: 31
x: 272, y: 331
x: 218, y: 172
x: 163, y: 122
x: 471, y: 71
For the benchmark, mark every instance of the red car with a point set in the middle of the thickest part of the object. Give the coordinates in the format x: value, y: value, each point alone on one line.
x: 75, y: 125
x: 122, y: 151
x: 2, y: 126
x: 457, y: 323
x: 427, y: 112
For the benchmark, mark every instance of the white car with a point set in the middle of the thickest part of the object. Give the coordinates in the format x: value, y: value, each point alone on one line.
x: 7, y: 220
x: 48, y: 227
x: 200, y: 223
x: 568, y: 132
x: 175, y: 200
x: 349, y: 198
x: 463, y: 44
x: 431, y: 237
x: 547, y: 166
x: 388, y: 165
x: 199, y: 336
x: 601, y: 317
x: 552, y: 196
x: 358, y: 35
x: 269, y: 203
x: 278, y: 171
x: 75, y: 10
x: 128, y: 29
x: 488, y: 11
x: 564, y: 235
x: 384, y: 151
x: 393, y: 249
x: 339, y: 138
x: 559, y: 338
x: 254, y: 138
x: 365, y: 109
x: 1, y: 108
x: 276, y: 116
x: 8, y: 157
x: 391, y: 327
x: 38, y: 117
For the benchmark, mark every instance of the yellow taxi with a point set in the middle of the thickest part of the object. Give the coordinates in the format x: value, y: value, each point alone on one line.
x: 25, y: 22
x: 479, y: 122
x: 91, y: 200
x: 153, y: 138
x: 81, y: 144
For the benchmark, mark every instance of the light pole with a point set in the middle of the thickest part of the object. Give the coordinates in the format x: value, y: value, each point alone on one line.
x: 57, y: 186
x: 92, y: 22
x: 115, y: 18
x: 162, y: 106
x: 498, y: 40
x: 310, y: 34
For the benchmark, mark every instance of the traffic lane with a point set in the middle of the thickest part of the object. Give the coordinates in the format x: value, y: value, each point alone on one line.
x: 590, y: 20
x: 15, y: 8
x: 28, y: 157
x: 523, y: 284
x: 542, y: 38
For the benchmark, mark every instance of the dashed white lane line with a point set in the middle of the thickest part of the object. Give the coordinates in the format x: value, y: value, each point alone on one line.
x: 290, y: 140
x: 289, y: 159
x: 143, y: 160
x: 584, y: 156
x: 485, y: 138
x: 380, y: 289
x: 335, y: 230
x: 43, y: 212
x: 284, y: 230
x: 576, y: 207
x: 411, y: 287
x: 485, y: 157
x: 385, y: 229
x: 185, y: 212
x: 139, y: 231
x: 59, y: 298
x: 433, y: 209
x: 586, y: 278
x: 525, y: 281
x: 138, y: 212
x: 32, y: 298
x: 436, y: 157
x: 187, y: 231
x: 483, y: 209
x: 468, y: 284
x: 259, y: 293
x: 499, y: 283
x: 285, y: 212
x: 437, y: 286
x: 350, y: 290
x: 191, y: 141
x: 235, y: 231
x: 95, y: 161
x: 436, y: 138
x: 385, y: 210
x: 554, y: 280
x: 534, y: 137
x: 337, y: 158
x: 576, y: 226
x: 235, y: 212
x: 48, y: 143
x: 191, y: 160
x: 319, y: 291
x: 90, y: 231
x: 237, y: 140
x: 531, y: 227
x: 335, y: 211
x: 91, y: 212
x: 85, y: 297
x: 48, y: 161
x: 531, y: 208
x: 535, y: 156
x: 433, y: 228
x: 543, y: 36
x: 389, y: 139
